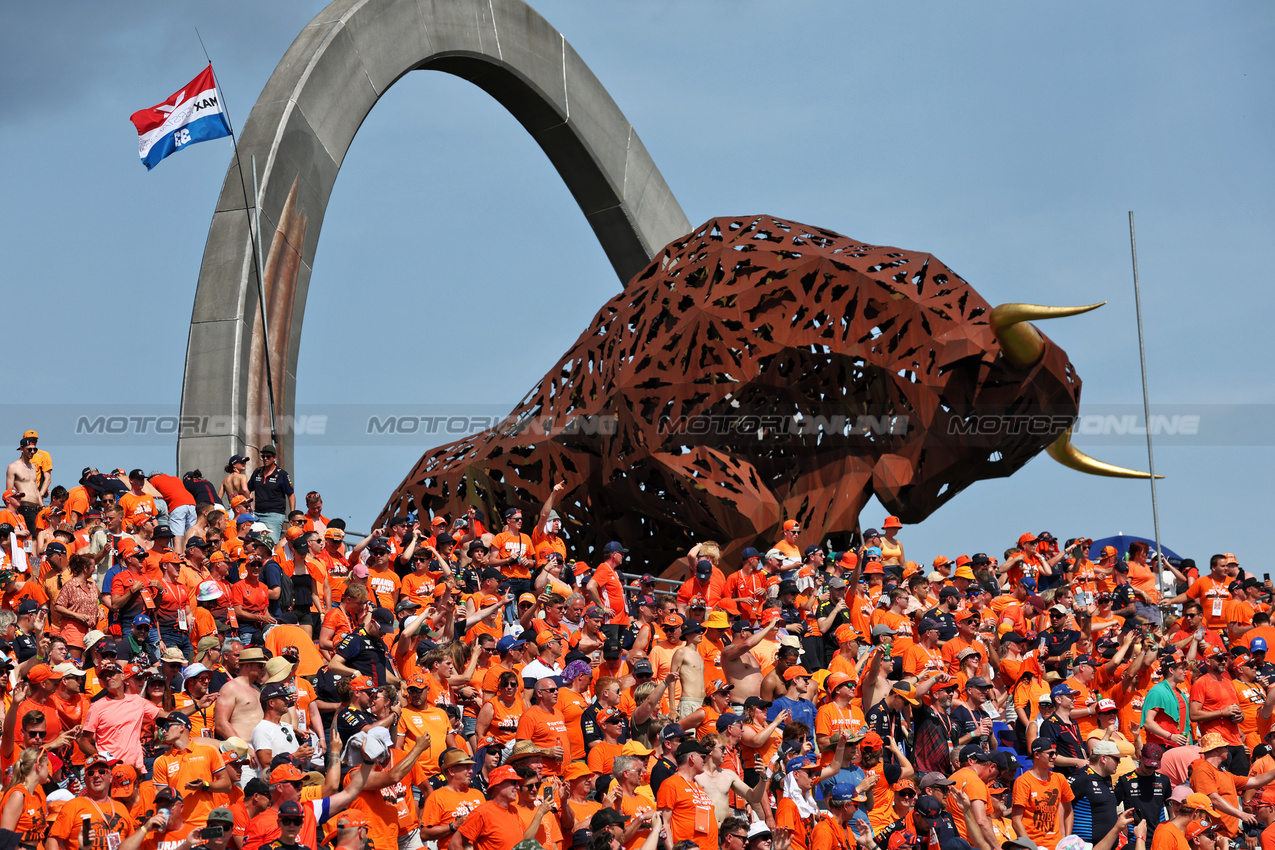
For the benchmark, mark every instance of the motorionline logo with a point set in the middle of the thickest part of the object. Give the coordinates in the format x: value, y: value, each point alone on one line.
x: 195, y: 426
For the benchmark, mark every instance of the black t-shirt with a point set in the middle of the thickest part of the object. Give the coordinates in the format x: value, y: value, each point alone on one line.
x: 592, y: 729
x: 664, y: 768
x: 946, y: 621
x: 1146, y: 795
x: 966, y: 722
x: 201, y: 490
x: 365, y: 654
x: 350, y: 721
x: 1094, y: 810
x: 1066, y: 737
x: 1057, y: 643
x: 271, y: 491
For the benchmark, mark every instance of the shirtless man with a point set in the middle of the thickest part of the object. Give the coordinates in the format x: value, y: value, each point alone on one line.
x: 238, y: 707
x: 742, y: 669
x: 24, y: 478
x: 774, y: 686
x: 688, y: 664
x: 718, y: 781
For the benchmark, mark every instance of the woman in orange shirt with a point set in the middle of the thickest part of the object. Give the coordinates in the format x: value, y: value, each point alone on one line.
x: 499, y: 716
x: 23, y: 808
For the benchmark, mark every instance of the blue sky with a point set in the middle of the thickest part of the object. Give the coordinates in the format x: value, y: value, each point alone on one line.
x: 1009, y: 139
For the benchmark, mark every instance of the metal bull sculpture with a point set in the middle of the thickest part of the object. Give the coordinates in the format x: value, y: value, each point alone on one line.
x: 759, y: 370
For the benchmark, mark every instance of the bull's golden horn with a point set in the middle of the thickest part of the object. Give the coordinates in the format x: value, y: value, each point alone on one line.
x: 1071, y: 457
x: 1020, y: 342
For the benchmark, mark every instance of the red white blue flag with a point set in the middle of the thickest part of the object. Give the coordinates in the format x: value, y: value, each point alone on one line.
x: 193, y: 114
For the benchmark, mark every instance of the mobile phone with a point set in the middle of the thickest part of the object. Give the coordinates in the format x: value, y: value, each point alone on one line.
x: 1266, y: 576
x: 210, y: 833
x: 549, y: 793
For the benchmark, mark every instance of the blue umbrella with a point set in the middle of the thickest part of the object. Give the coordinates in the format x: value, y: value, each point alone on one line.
x: 1121, y: 542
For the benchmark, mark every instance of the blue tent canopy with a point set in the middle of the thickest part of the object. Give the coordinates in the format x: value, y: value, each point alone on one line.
x: 1121, y: 542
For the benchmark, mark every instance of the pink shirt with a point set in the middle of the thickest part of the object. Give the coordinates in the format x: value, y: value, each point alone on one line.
x: 116, y: 725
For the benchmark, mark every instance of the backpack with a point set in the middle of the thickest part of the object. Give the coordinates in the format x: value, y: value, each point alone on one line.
x: 286, y: 594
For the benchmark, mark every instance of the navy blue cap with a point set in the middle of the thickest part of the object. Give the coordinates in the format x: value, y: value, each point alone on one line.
x: 750, y: 552
x: 613, y: 547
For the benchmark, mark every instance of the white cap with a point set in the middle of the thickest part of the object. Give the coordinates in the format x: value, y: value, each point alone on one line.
x: 758, y: 828
x: 66, y: 668
x: 776, y: 554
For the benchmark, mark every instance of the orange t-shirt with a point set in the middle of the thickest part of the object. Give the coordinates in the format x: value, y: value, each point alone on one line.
x: 694, y: 815
x: 1215, y: 695
x: 137, y: 509
x: 1207, y: 779
x: 546, y: 731
x: 572, y: 705
x: 506, y: 545
x: 1212, y: 596
x: 445, y: 805
x: 173, y: 491
x: 966, y: 780
x: 493, y: 827
x: 106, y: 817
x: 1040, y: 802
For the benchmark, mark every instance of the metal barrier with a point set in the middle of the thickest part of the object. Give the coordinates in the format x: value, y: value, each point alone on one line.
x: 631, y: 590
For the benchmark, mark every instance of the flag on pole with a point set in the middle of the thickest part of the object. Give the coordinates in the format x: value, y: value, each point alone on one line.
x: 193, y: 114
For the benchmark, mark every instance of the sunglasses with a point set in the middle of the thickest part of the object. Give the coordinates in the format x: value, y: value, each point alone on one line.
x: 38, y: 733
x: 907, y: 795
x: 415, y: 691
x: 94, y: 771
x: 291, y: 821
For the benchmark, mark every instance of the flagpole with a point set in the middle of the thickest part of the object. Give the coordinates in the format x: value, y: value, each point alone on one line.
x: 256, y: 253
x: 1146, y: 408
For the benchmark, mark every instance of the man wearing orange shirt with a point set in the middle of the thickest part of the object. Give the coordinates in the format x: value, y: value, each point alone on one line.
x: 966, y: 637
x: 513, y: 553
x: 494, y: 825
x: 924, y: 658
x: 748, y: 583
x: 977, y: 769
x: 688, y: 808
x: 447, y: 808
x: 787, y: 545
x: 1211, y: 592
x: 180, y: 504
x: 1224, y: 785
x: 543, y: 725
x: 137, y: 504
x: 546, y: 537
x: 1215, y: 709
x: 606, y: 589
x: 708, y: 584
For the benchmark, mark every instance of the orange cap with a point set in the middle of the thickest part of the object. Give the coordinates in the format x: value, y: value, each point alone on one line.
x: 286, y: 773
x: 294, y: 532
x: 790, y: 524
x: 333, y: 534
x: 849, y: 560
x: 795, y: 671
x: 1025, y: 538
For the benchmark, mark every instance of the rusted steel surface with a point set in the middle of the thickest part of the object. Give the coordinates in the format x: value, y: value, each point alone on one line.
x: 759, y: 370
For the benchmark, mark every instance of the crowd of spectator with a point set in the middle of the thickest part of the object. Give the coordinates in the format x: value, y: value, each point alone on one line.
x: 186, y: 664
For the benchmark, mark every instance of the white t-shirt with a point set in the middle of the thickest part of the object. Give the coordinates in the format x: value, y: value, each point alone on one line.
x: 275, y: 737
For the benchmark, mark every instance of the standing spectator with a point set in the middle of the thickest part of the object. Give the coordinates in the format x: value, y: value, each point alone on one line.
x: 88, y: 822
x: 689, y: 808
x: 543, y: 725
x: 235, y: 483
x: 1146, y: 790
x: 1064, y: 735
x: 605, y: 588
x: 1094, y: 810
x: 512, y: 552
x: 115, y: 721
x: 447, y: 808
x: 495, y: 825
x: 174, y: 613
x: 272, y: 490
x: 1042, y: 799
x: 179, y: 503
x: 315, y: 520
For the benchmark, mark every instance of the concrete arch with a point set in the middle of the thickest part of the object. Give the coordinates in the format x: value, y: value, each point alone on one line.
x: 300, y: 129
